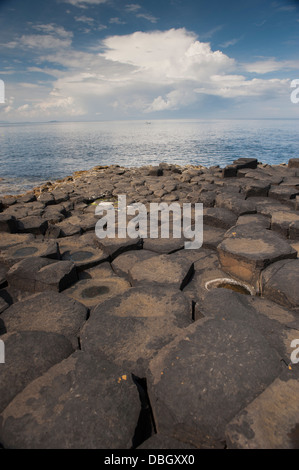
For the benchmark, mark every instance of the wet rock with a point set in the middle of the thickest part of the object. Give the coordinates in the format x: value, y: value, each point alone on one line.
x: 41, y: 274
x: 221, y: 366
x: 82, y: 389
x: 280, y: 282
x: 28, y: 354
x: 51, y: 312
x: 271, y: 420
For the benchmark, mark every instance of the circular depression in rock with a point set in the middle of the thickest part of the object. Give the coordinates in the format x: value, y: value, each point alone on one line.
x: 226, y: 283
x: 94, y: 291
x: 26, y: 251
x: 78, y: 255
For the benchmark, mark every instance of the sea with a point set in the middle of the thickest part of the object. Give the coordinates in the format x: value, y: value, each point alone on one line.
x: 34, y: 153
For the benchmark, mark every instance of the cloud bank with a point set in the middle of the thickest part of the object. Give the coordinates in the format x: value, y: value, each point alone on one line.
x: 135, y: 74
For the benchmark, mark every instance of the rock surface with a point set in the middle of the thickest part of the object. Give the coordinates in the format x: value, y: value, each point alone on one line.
x: 121, y: 343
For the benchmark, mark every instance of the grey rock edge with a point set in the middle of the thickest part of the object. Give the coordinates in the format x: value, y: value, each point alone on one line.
x: 120, y: 344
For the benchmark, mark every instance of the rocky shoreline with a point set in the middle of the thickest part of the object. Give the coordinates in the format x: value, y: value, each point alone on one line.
x: 141, y: 343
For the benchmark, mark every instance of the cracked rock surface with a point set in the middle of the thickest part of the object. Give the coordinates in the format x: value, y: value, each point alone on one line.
x: 121, y: 343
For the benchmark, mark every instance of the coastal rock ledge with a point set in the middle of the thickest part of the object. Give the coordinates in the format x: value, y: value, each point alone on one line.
x: 142, y: 343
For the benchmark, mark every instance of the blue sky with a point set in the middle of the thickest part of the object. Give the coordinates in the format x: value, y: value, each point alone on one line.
x: 120, y: 59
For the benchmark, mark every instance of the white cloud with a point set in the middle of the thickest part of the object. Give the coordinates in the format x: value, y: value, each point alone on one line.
x: 43, y: 41
x: 84, y: 19
x: 271, y: 65
x: 143, y: 72
x: 133, y: 7
x: 53, y: 29
x: 84, y: 3
x: 148, y: 17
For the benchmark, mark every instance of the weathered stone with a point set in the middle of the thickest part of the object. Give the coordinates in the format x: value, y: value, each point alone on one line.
x: 162, y: 441
x: 164, y: 245
x: 115, y: 246
x: 52, y: 312
x: 32, y: 224
x: 68, y: 229
x: 53, y: 215
x: 294, y: 230
x: 283, y: 193
x: 259, y: 219
x: 46, y: 198
x: 28, y: 197
x: 162, y: 269
x: 219, y: 217
x: 231, y: 170
x: 91, y: 292
x: 281, y: 222
x: 227, y: 304
x: 8, y: 223
x: 271, y: 420
x: 28, y: 354
x: 143, y: 320
x: 280, y: 282
x: 124, y: 262
x: 221, y: 366
x: 256, y: 188
x: 293, y: 163
x: 83, y: 389
x: 11, y: 239
x: 83, y: 256
x: 235, y: 203
x: 245, y: 255
x: 40, y: 274
x: 16, y: 253
x: 212, y: 236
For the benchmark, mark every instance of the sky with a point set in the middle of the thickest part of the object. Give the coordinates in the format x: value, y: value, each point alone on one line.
x: 95, y: 60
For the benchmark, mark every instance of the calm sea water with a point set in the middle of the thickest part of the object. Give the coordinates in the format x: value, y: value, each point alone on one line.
x: 34, y: 153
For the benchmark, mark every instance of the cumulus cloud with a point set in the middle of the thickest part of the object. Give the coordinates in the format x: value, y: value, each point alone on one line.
x: 143, y: 72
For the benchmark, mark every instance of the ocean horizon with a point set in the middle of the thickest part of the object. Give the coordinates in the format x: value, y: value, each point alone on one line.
x: 34, y: 153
